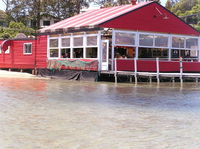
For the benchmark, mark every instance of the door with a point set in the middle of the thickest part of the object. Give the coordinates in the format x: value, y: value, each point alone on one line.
x: 105, y: 54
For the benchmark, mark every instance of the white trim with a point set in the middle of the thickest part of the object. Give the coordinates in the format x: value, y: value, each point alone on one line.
x: 24, y: 50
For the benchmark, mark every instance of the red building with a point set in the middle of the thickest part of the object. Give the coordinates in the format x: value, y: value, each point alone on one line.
x: 91, y: 41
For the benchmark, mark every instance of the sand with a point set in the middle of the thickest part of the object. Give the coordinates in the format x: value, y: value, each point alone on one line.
x: 13, y: 74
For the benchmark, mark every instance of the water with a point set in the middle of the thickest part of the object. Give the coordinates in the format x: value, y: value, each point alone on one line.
x: 55, y: 114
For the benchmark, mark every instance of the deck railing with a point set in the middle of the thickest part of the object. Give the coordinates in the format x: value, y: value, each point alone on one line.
x: 157, y: 65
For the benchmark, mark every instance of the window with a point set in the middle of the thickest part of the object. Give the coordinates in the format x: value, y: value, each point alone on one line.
x: 78, y: 41
x: 92, y: 41
x: 78, y: 53
x: 153, y: 53
x: 91, y: 52
x: 54, y: 53
x: 124, y: 38
x: 65, y: 53
x: 46, y: 23
x: 146, y: 40
x: 161, y: 41
x: 53, y: 43
x: 178, y: 42
x: 65, y: 42
x: 192, y: 43
x: 28, y: 48
x: 54, y: 50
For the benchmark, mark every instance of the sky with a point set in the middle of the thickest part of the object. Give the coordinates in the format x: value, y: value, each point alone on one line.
x: 2, y: 6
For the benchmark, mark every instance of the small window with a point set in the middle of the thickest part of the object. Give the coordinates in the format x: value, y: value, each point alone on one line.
x: 78, y: 41
x: 65, y: 42
x: 91, y: 52
x: 54, y: 53
x: 146, y: 40
x: 178, y: 42
x: 65, y: 53
x: 28, y: 48
x: 91, y: 40
x: 53, y: 43
x: 78, y: 53
x: 46, y: 23
x: 161, y: 41
x: 192, y: 43
x: 125, y: 38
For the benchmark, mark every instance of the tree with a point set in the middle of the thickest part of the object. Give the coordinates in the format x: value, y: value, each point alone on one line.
x: 21, y: 10
x: 14, y: 29
x: 168, y: 4
x: 189, y: 11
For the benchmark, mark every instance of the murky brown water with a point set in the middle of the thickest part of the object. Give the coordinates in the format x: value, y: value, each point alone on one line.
x: 52, y: 114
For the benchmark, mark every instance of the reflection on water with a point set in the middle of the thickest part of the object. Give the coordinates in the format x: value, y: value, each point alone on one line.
x: 55, y: 114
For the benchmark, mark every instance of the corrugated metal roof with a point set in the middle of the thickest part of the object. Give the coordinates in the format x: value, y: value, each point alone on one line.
x: 93, y: 17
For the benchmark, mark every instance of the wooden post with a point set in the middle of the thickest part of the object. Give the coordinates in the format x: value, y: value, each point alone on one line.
x: 131, y: 79
x: 181, y: 69
x: 135, y: 69
x: 33, y: 71
x: 115, y: 70
x: 173, y: 80
x: 150, y: 79
x: 157, y: 69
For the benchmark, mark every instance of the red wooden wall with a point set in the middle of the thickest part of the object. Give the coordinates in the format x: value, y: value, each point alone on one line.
x: 151, y: 18
x: 150, y: 66
x: 17, y: 59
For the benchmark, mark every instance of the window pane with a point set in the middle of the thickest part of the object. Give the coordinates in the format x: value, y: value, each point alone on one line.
x: 91, y: 40
x: 65, y: 53
x: 53, y: 43
x: 146, y: 40
x: 78, y: 53
x: 175, y: 53
x: 65, y: 42
x: 178, y: 42
x: 53, y: 52
x: 91, y: 52
x: 28, y: 48
x: 192, y: 43
x: 78, y: 41
x: 125, y: 38
x: 153, y: 53
x: 161, y: 41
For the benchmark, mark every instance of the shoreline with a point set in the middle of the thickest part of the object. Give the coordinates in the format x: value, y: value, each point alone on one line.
x: 14, y: 74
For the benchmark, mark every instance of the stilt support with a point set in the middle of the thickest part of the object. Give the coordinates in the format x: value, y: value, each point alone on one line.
x: 150, y: 79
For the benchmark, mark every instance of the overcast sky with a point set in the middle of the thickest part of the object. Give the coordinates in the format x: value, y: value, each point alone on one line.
x: 2, y: 6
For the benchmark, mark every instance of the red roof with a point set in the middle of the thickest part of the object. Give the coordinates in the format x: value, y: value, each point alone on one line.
x: 93, y: 17
x: 144, y: 16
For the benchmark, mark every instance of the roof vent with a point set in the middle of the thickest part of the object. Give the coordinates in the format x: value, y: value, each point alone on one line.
x: 133, y: 2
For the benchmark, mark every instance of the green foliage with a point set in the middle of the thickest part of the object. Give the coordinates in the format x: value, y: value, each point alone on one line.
x: 14, y: 29
x: 21, y: 10
x: 188, y: 10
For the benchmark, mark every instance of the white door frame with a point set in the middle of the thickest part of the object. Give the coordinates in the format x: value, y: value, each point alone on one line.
x: 104, y: 63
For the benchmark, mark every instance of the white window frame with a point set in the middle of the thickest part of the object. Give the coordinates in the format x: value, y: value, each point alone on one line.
x: 71, y: 47
x: 49, y: 48
x: 24, y: 50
